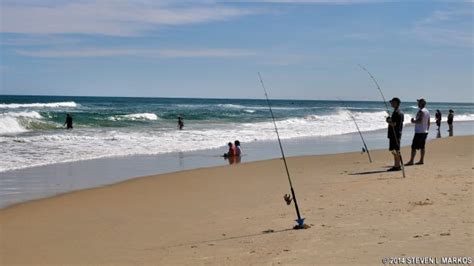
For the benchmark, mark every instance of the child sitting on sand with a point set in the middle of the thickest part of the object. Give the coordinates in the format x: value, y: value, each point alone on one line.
x: 231, y: 152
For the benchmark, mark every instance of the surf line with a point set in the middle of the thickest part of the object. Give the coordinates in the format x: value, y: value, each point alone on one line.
x: 287, y: 197
x: 388, y: 112
x: 364, y: 149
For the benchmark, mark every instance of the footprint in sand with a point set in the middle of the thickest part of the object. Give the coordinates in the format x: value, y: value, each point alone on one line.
x: 421, y: 203
x: 445, y: 234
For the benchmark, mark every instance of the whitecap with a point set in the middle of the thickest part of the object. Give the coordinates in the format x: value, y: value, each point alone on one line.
x: 139, y: 116
x: 38, y: 105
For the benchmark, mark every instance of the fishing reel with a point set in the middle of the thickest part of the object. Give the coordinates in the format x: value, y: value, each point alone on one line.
x: 287, y: 199
x: 363, y: 150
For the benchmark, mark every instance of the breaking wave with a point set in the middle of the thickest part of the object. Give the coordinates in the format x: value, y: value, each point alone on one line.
x: 37, y: 105
x: 133, y: 117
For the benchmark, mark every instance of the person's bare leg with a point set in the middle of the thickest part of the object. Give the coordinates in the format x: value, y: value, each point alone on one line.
x: 422, y: 157
x: 396, y: 158
x: 412, y: 157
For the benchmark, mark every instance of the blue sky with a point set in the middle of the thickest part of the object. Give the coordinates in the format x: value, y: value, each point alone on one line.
x: 305, y: 49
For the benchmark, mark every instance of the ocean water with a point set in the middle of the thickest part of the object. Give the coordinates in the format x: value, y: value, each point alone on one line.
x: 32, y: 131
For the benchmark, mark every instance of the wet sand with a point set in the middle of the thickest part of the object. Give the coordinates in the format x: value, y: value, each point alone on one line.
x: 236, y: 215
x: 45, y: 181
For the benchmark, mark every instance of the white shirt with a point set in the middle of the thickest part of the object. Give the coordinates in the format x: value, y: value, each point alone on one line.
x: 425, y: 120
x: 238, y: 151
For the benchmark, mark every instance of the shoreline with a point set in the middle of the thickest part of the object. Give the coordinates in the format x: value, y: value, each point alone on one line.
x: 466, y: 128
x: 358, y: 213
x: 45, y: 181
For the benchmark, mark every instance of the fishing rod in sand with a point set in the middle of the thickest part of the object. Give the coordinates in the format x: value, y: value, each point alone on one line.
x: 365, y: 149
x: 287, y: 198
x: 388, y: 112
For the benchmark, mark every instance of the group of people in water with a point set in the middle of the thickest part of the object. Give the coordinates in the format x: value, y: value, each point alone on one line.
x: 395, y: 128
x: 234, y: 154
x: 439, y: 117
x: 422, y: 126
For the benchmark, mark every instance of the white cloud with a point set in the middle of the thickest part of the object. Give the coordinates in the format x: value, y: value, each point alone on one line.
x: 108, y: 17
x: 206, y: 53
x: 332, y: 2
x: 37, y: 40
x: 449, y: 27
x: 171, y: 53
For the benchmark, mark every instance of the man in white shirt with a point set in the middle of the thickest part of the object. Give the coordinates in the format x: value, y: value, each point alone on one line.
x: 422, y: 126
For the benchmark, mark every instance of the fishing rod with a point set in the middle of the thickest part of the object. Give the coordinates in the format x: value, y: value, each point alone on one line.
x: 287, y: 198
x: 365, y: 149
x: 388, y: 112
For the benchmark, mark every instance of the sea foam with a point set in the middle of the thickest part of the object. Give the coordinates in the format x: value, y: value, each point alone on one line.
x: 140, y: 116
x: 15, y: 122
x: 37, y: 105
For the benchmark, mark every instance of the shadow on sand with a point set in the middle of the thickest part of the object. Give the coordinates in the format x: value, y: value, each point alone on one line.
x: 370, y: 172
x: 211, y: 242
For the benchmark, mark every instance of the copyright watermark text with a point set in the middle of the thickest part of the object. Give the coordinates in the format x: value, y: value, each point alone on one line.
x: 427, y: 260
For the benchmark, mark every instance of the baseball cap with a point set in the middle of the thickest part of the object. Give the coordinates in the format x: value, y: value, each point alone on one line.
x: 395, y: 99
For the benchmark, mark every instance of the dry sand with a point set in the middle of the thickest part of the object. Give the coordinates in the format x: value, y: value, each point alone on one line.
x: 235, y: 215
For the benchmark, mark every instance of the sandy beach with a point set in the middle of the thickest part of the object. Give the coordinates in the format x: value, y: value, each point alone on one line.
x: 235, y: 215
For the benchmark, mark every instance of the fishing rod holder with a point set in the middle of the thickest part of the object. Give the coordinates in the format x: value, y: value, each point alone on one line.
x: 300, y: 224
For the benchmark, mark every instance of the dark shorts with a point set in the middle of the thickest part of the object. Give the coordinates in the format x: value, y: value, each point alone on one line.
x: 419, y: 141
x: 394, y: 144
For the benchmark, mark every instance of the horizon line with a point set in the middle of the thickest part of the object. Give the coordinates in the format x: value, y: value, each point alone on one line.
x: 217, y: 98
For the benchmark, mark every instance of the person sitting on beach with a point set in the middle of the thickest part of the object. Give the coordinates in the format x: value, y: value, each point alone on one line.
x: 231, y: 152
x: 231, y: 155
x: 450, y: 122
x: 68, y: 122
x: 438, y: 117
x: 422, y: 127
x: 395, y: 127
x: 180, y: 123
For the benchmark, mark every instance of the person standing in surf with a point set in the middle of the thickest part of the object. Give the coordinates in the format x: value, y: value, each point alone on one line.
x: 68, y: 122
x: 450, y: 122
x: 422, y: 127
x: 438, y: 117
x: 394, y: 134
x: 180, y: 123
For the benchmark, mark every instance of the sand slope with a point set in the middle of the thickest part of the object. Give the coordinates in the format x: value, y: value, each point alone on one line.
x: 218, y: 215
